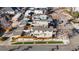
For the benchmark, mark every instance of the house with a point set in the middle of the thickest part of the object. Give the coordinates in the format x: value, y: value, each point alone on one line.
x: 38, y: 11
x: 41, y: 20
x: 41, y: 33
x: 31, y: 12
x: 75, y: 9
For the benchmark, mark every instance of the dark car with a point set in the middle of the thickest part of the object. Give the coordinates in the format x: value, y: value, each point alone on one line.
x: 52, y: 49
x: 30, y: 20
x: 25, y: 49
x: 29, y: 46
x: 12, y: 49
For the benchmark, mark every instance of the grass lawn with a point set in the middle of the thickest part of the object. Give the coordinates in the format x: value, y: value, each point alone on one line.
x: 28, y: 42
x: 40, y: 42
x: 55, y: 42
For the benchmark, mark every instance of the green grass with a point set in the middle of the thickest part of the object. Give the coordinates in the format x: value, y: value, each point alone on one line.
x: 55, y: 42
x: 23, y: 43
x: 28, y: 42
x: 40, y: 42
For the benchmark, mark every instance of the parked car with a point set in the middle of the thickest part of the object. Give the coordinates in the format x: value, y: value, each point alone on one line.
x: 29, y: 46
x: 52, y: 49
x: 25, y: 49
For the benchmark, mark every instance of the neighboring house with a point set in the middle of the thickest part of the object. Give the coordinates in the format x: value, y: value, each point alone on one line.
x: 41, y: 20
x: 75, y: 9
